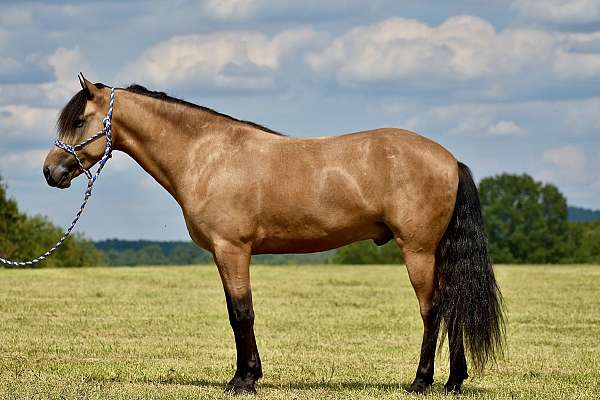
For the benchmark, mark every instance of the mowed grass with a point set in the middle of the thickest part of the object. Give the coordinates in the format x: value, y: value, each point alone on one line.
x: 326, y: 332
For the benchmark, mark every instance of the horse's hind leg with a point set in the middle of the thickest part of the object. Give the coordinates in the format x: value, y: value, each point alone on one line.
x: 233, y: 263
x: 422, y: 273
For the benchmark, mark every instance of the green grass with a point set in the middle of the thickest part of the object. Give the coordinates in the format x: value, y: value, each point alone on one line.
x: 324, y: 332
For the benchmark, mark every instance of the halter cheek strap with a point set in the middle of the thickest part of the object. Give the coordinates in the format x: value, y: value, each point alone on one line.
x: 72, y: 149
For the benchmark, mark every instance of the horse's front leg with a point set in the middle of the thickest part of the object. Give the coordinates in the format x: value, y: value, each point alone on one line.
x: 233, y: 262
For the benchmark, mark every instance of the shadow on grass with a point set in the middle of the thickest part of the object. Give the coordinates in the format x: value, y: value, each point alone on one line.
x: 271, y: 385
x: 436, y: 388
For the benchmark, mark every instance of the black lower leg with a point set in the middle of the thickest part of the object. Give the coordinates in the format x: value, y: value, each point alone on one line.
x: 458, y: 362
x: 249, y: 370
x: 424, y: 377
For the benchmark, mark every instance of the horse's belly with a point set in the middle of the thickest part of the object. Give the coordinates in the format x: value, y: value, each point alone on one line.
x: 310, y: 241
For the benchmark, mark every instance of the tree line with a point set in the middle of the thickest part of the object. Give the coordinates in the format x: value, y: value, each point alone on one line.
x: 24, y: 237
x: 148, y: 252
x: 527, y: 222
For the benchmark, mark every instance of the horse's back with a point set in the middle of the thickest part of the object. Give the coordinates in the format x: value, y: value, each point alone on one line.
x: 377, y: 160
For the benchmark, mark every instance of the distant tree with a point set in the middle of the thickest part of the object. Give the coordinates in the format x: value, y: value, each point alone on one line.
x: 590, y: 243
x: 23, y: 238
x: 10, y: 219
x: 367, y: 252
x: 585, y: 242
x: 188, y: 253
x: 134, y: 252
x: 526, y: 220
x: 143, y: 252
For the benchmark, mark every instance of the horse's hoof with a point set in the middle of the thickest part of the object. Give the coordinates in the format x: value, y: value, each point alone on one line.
x: 452, y: 388
x: 244, y: 390
x: 241, y: 387
x: 419, y: 386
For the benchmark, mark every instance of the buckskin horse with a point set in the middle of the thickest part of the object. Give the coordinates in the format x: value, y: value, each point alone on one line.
x: 245, y: 189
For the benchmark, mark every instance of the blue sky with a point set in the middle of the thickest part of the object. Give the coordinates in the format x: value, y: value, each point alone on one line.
x: 507, y: 86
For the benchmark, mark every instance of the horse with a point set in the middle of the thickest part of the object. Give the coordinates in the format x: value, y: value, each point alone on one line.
x: 245, y: 189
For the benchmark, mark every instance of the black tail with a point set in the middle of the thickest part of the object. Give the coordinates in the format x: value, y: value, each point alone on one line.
x: 470, y: 301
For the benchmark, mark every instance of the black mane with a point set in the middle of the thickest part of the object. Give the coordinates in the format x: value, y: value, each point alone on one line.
x: 139, y: 89
x: 72, y: 111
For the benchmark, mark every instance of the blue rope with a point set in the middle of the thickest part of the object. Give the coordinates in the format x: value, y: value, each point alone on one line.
x: 72, y: 149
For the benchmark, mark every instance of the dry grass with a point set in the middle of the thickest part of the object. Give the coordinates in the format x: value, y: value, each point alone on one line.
x: 324, y: 332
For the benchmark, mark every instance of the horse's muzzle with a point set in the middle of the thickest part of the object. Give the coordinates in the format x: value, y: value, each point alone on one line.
x: 57, y: 177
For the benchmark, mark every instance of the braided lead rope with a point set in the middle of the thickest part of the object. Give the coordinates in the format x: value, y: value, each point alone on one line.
x: 106, y: 131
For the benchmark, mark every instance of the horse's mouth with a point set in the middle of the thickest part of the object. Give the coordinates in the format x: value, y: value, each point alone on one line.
x: 65, y: 181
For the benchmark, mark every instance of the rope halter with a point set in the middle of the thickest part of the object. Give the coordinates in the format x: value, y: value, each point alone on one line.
x: 106, y: 131
x: 72, y: 149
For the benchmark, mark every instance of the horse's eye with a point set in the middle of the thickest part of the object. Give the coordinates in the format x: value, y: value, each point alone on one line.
x: 79, y: 123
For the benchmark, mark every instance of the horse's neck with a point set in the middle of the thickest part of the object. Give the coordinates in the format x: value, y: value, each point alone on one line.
x: 162, y: 137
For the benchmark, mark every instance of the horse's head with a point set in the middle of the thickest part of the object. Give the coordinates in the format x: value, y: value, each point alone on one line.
x: 79, y: 120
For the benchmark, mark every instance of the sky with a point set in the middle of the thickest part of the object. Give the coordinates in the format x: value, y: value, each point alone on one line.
x: 507, y: 86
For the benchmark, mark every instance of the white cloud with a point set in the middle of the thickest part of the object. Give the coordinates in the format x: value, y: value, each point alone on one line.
x: 463, y: 52
x: 15, y: 17
x: 231, y: 9
x: 560, y: 11
x: 65, y: 64
x: 23, y: 120
x: 8, y: 64
x: 506, y: 128
x: 237, y: 10
x: 461, y: 48
x: 18, y: 118
x: 30, y: 159
x: 569, y: 161
x: 536, y: 119
x: 236, y: 60
x: 466, y: 120
x: 581, y: 117
x: 574, y: 168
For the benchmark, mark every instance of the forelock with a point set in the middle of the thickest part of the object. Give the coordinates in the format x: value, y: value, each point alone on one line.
x: 67, y: 120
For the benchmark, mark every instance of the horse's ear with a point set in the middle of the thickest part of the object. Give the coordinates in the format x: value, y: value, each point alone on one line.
x: 88, y: 87
x: 81, y: 82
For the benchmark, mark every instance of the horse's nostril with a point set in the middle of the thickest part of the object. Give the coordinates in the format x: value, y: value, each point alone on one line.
x: 48, y: 176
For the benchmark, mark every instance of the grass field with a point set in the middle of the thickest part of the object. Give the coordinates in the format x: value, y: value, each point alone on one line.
x: 324, y: 332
